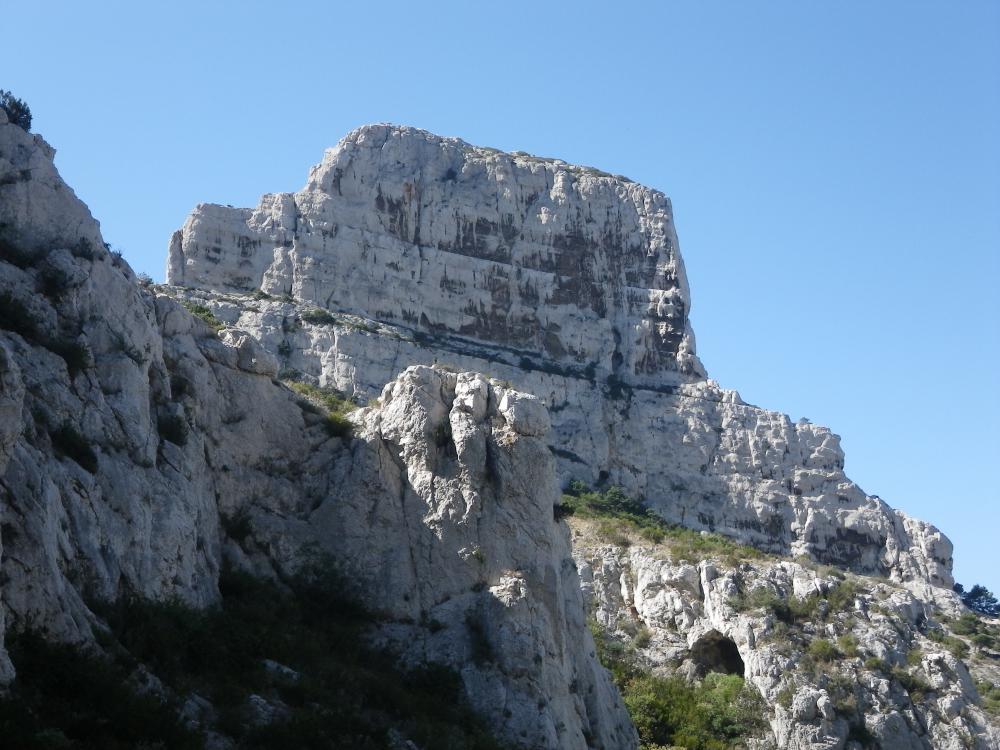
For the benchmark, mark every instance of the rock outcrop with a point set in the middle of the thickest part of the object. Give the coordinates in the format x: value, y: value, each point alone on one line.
x: 144, y: 448
x: 407, y: 248
x: 527, y: 254
x: 841, y: 661
x: 135, y: 439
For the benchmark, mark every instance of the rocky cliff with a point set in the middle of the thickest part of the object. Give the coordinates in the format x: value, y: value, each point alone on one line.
x: 141, y: 450
x: 840, y: 660
x: 405, y: 248
x: 506, y: 324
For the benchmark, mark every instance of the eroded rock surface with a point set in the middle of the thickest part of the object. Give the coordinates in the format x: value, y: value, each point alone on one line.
x: 403, y: 226
x: 408, y: 248
x: 866, y: 662
x: 140, y: 449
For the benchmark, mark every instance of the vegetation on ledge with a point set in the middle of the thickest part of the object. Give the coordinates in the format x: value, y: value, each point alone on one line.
x: 717, y: 713
x: 619, y: 516
x: 203, y: 314
x: 330, y: 403
x: 297, y: 651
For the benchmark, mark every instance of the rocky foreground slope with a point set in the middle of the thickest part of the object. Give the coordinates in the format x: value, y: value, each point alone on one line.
x: 144, y: 449
x: 839, y: 659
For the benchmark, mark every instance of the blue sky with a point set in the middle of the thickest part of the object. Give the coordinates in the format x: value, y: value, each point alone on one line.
x: 834, y: 169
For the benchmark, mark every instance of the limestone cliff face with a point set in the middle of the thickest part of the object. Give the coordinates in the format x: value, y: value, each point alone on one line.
x: 131, y: 433
x: 532, y: 255
x: 885, y: 676
x: 564, y: 281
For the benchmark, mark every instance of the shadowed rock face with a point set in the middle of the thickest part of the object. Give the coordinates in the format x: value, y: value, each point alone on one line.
x: 406, y: 227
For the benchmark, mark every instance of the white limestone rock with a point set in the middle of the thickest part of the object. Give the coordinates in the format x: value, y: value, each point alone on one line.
x: 562, y: 280
x: 130, y: 429
x: 686, y: 606
x: 403, y: 226
x: 695, y: 452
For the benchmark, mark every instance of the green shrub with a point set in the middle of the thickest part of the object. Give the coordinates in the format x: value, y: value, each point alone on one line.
x: 875, y: 664
x: 712, y: 714
x: 642, y: 638
x: 621, y: 515
x: 989, y: 694
x: 318, y: 317
x: 330, y: 403
x: 794, y: 610
x: 848, y: 645
x: 967, y: 624
x: 822, y: 650
x: 958, y: 648
x: 913, y: 684
x: 203, y: 314
x: 346, y: 693
x: 65, y: 697
x: 669, y: 711
x: 982, y: 634
x: 785, y: 696
x: 17, y: 111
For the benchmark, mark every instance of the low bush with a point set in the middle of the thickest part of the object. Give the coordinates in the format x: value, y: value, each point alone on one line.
x: 989, y: 694
x: 713, y: 714
x: 875, y: 664
x: 822, y: 650
x: 318, y: 317
x: 330, y: 403
x: 342, y: 691
x: 793, y: 610
x: 65, y: 697
x: 18, y: 113
x: 848, y: 646
x: 203, y: 314
x: 916, y: 686
x: 957, y: 646
x: 620, y: 515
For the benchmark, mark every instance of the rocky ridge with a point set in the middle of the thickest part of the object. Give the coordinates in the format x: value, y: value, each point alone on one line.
x: 141, y: 450
x: 408, y: 248
x: 841, y: 660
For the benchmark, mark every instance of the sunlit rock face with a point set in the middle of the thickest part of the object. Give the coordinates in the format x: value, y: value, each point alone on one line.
x: 892, y: 684
x: 563, y: 280
x: 402, y: 226
x: 131, y: 431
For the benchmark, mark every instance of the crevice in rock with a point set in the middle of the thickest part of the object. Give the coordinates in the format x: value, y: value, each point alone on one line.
x: 714, y: 652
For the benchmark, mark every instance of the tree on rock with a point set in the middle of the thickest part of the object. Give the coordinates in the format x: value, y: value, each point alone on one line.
x: 979, y: 599
x: 17, y: 111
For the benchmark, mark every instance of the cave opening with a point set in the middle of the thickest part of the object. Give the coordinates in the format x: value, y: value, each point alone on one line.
x: 714, y: 652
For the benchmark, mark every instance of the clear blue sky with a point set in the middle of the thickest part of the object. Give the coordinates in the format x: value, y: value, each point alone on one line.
x: 834, y: 168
